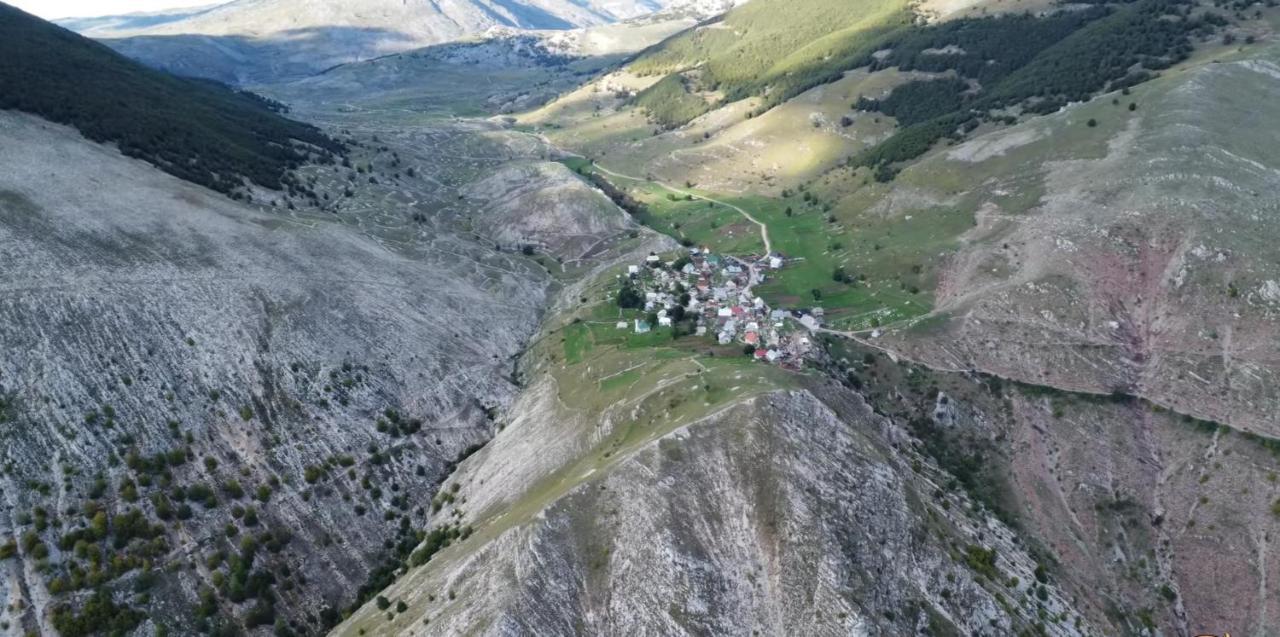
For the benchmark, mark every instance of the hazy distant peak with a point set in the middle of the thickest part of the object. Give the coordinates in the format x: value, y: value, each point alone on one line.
x: 216, y: 41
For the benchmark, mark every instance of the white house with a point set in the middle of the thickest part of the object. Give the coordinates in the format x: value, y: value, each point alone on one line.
x: 775, y: 262
x: 664, y: 321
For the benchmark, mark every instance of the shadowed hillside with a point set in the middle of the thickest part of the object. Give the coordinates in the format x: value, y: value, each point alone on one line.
x: 200, y: 131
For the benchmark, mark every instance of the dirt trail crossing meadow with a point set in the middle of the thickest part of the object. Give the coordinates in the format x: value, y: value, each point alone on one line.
x: 764, y: 230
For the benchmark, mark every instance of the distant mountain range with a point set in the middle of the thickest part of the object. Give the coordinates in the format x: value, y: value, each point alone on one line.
x: 262, y: 41
x: 140, y: 20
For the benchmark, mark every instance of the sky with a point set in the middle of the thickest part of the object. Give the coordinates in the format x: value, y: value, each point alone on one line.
x: 49, y: 9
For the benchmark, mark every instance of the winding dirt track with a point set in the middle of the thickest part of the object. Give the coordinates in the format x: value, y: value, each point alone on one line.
x: 764, y: 230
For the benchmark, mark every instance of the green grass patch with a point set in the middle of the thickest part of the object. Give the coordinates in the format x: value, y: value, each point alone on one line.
x: 620, y: 380
x: 577, y: 341
x: 688, y: 218
x: 788, y: 46
x: 888, y: 262
x: 580, y: 165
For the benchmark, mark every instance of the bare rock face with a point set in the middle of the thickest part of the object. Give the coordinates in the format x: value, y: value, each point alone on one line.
x: 777, y: 515
x: 255, y: 402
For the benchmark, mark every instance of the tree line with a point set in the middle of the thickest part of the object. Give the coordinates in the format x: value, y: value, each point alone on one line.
x: 1114, y: 48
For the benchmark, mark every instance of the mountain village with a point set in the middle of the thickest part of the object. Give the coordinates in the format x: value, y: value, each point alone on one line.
x: 712, y: 296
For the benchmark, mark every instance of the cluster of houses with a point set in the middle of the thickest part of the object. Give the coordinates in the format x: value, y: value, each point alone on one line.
x: 714, y: 293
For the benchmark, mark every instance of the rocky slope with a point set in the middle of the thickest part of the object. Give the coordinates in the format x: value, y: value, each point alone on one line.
x: 921, y: 503
x: 1132, y: 507
x: 781, y: 514
x: 1142, y: 266
x: 569, y: 228
x: 255, y: 400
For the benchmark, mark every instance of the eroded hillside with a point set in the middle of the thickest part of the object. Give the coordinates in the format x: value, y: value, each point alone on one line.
x: 235, y: 412
x: 900, y: 501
